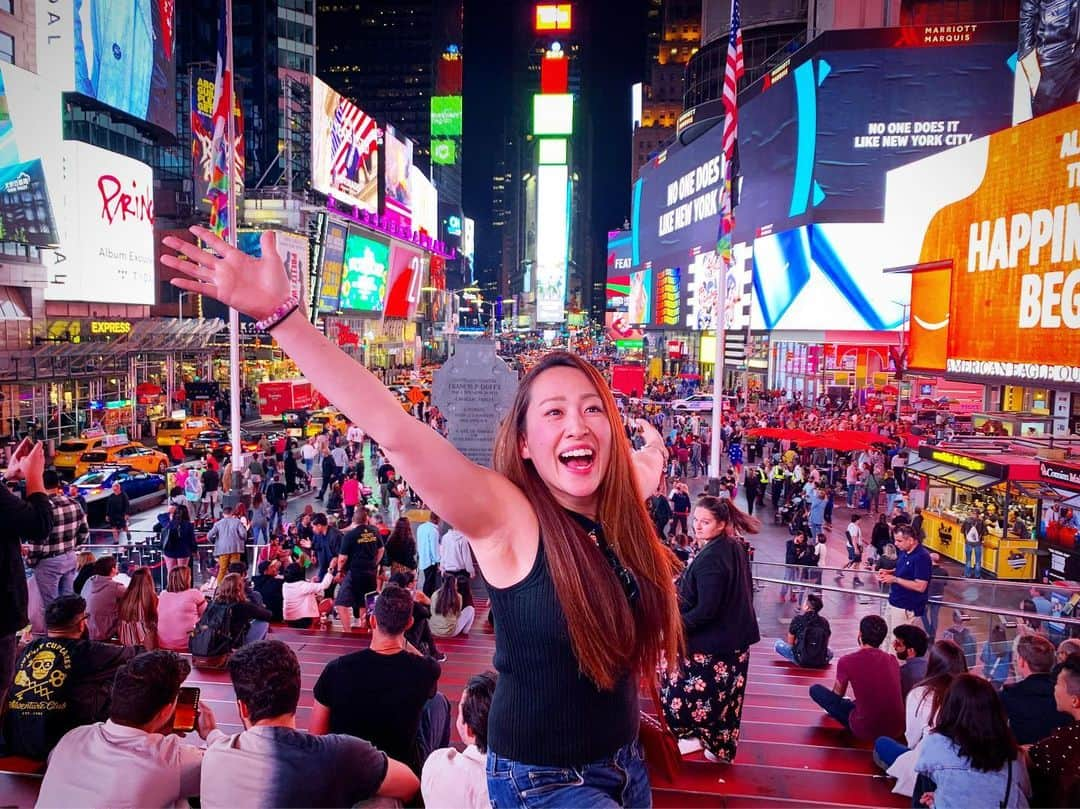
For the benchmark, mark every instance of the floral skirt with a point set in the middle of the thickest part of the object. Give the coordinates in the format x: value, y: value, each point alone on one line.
x: 704, y: 698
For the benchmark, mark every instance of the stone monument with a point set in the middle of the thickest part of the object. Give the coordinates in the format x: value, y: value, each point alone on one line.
x: 474, y: 390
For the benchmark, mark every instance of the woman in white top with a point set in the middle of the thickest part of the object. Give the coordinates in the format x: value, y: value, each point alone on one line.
x: 945, y: 660
x: 448, y: 617
x: 303, y: 602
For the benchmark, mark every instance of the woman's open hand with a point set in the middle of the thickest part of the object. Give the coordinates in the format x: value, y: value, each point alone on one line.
x: 254, y: 286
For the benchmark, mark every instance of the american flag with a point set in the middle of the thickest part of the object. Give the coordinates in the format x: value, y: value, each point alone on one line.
x: 222, y: 152
x: 732, y: 73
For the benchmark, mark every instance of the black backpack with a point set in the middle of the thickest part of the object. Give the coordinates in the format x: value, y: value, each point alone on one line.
x: 812, y: 646
x: 212, y: 641
x: 172, y: 539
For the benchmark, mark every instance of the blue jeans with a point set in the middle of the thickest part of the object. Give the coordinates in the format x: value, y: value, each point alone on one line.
x: 886, y: 751
x: 835, y: 705
x: 54, y: 577
x: 851, y: 495
x: 973, y: 552
x: 259, y: 534
x: 621, y: 780
x: 787, y: 651
x: 930, y: 619
x: 257, y: 631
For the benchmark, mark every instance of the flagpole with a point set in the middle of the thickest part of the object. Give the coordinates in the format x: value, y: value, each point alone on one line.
x: 232, y: 219
x: 718, y: 373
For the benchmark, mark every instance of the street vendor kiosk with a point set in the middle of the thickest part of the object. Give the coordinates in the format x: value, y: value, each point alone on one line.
x: 1003, y: 489
x: 1060, y: 519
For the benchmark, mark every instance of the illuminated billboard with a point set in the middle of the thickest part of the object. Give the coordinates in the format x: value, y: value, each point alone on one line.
x: 363, y: 283
x: 555, y: 73
x: 819, y: 133
x: 553, y: 114
x: 446, y: 116
x: 344, y: 149
x: 405, y: 280
x: 552, y: 240
x: 26, y: 210
x: 122, y: 55
x: 668, y: 296
x: 552, y: 151
x: 398, y: 152
x: 639, y: 310
x: 999, y: 219
x: 554, y: 17
x: 703, y: 289
x: 826, y: 276
x: 202, y: 137
x: 106, y: 219
x: 425, y: 203
x: 448, y: 72
x: 443, y: 152
x: 618, y: 270
x: 333, y: 258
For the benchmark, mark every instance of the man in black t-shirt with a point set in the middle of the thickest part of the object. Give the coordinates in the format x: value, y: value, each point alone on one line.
x: 269, y: 585
x: 795, y: 645
x: 357, y: 562
x: 211, y: 496
x: 61, y: 682
x: 380, y: 694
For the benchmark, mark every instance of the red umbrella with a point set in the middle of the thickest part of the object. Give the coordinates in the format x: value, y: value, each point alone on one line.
x: 766, y: 432
x: 867, y: 436
x: 837, y: 440
x: 794, y: 434
x: 890, y: 390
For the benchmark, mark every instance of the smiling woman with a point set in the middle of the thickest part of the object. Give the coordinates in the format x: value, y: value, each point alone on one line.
x: 579, y: 581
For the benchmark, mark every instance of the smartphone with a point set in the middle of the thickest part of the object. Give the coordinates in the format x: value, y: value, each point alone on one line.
x: 369, y: 600
x: 23, y: 449
x: 186, y: 716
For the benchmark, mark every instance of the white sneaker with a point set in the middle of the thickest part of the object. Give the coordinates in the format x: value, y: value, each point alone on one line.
x: 688, y: 746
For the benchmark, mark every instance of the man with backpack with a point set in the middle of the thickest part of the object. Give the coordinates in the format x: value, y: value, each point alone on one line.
x: 808, y: 636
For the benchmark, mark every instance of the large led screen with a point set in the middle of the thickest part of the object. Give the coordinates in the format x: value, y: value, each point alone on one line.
x: 344, y: 149
x: 295, y: 252
x: 106, y: 217
x: 552, y: 234
x: 619, y: 262
x: 425, y: 203
x: 446, y: 116
x: 817, y: 136
x: 121, y: 54
x: 405, y: 279
x: 363, y: 284
x: 639, y: 311
x: 202, y: 138
x: 826, y: 277
x: 333, y: 262
x: 399, y: 159
x: 996, y: 223
x: 26, y: 209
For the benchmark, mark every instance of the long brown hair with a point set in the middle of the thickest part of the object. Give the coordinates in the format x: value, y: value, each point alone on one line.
x: 609, y: 637
x: 734, y: 522
x: 139, y: 602
x: 447, y: 598
x: 231, y: 590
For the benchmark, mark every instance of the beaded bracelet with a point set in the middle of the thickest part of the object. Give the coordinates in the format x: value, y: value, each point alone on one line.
x: 279, y: 314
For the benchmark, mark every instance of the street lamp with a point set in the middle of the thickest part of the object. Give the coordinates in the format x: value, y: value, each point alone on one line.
x: 180, y: 302
x: 900, y: 360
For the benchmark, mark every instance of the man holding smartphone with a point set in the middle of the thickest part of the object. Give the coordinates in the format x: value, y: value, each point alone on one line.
x: 135, y: 758
x: 31, y: 520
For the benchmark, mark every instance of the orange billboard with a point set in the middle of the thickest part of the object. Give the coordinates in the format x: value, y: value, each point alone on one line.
x: 554, y: 17
x: 1005, y: 210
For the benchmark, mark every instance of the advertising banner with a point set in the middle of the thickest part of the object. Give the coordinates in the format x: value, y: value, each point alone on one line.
x: 26, y: 208
x: 333, y: 259
x: 425, y: 203
x: 202, y: 136
x: 703, y: 290
x: 618, y: 328
x: 826, y: 277
x: 818, y: 134
x: 121, y: 54
x: 398, y: 151
x: 363, y: 285
x: 1048, y: 59
x: 443, y: 152
x: 405, y: 279
x: 106, y: 217
x: 668, y: 307
x: 552, y: 235
x: 344, y: 149
x: 1004, y: 210
x: 639, y: 310
x: 446, y: 116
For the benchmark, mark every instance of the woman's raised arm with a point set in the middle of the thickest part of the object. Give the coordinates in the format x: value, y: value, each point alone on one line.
x: 480, y: 503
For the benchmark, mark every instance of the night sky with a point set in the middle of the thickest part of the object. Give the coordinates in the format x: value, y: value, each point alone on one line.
x: 614, y: 58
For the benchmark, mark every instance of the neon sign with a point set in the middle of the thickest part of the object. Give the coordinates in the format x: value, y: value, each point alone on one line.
x: 393, y: 228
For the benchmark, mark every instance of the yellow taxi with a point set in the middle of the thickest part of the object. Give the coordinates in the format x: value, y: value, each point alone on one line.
x: 325, y: 418
x: 70, y: 450
x: 143, y: 459
x: 180, y: 431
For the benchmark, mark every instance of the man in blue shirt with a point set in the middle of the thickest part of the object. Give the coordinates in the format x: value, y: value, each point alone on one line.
x: 909, y: 588
x: 427, y: 544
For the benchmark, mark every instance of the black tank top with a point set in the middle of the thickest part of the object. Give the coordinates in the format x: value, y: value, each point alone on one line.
x: 545, y: 711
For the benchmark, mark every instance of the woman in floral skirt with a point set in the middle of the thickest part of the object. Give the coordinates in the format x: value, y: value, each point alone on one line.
x: 703, y: 698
